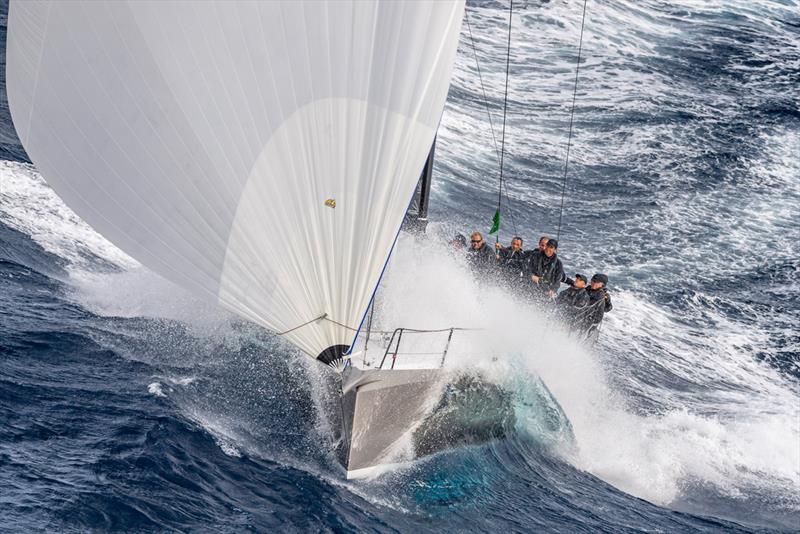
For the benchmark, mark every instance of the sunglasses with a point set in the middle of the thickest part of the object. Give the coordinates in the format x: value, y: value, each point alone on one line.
x: 476, y: 241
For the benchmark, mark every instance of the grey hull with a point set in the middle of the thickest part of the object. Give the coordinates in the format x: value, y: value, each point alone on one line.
x: 380, y: 411
x: 387, y: 417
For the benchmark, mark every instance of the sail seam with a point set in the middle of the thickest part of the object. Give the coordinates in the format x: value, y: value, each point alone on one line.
x: 38, y: 72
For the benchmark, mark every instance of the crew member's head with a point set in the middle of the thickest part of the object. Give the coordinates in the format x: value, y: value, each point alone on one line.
x: 543, y: 242
x: 550, y: 248
x: 476, y: 240
x: 599, y: 280
x: 580, y: 281
x: 459, y: 242
x: 516, y: 243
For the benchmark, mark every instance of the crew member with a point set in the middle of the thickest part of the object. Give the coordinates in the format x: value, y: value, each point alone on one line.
x: 543, y: 243
x: 480, y: 255
x: 546, y: 270
x: 573, y: 301
x: 599, y: 304
x: 511, y: 260
x: 459, y: 242
x: 531, y: 255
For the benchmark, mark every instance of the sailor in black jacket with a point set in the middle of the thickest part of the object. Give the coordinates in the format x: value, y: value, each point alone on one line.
x: 480, y: 256
x: 546, y: 271
x: 530, y: 255
x: 599, y: 304
x: 574, y: 299
x: 511, y: 261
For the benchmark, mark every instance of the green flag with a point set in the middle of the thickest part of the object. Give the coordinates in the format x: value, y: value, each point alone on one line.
x: 495, y: 222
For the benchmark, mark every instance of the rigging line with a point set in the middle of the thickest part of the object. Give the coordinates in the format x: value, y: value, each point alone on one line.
x: 571, y: 117
x: 407, y: 330
x: 505, y: 108
x: 347, y: 327
x: 489, y: 115
x: 510, y: 210
x: 483, y: 89
x: 315, y: 319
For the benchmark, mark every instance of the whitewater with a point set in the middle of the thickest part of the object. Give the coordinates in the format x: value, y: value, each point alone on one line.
x: 127, y: 404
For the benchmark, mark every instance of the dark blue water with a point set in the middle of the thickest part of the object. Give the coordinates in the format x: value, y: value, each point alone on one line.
x: 127, y: 405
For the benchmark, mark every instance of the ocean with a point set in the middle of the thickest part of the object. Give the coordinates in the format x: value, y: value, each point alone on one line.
x: 128, y: 405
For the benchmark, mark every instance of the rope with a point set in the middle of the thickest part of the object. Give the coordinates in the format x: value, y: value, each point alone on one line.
x: 405, y: 330
x: 505, y: 108
x: 491, y: 123
x: 483, y: 89
x: 323, y: 316
x: 337, y: 323
x: 571, y: 117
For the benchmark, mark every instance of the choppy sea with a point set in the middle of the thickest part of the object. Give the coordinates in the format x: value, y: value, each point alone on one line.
x: 128, y: 405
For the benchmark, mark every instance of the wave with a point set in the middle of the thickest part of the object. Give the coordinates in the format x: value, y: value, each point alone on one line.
x: 647, y: 416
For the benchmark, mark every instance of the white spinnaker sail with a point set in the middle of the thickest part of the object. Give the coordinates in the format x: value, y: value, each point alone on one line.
x: 210, y: 140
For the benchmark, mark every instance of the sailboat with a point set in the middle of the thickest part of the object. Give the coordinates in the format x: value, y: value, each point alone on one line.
x: 259, y: 154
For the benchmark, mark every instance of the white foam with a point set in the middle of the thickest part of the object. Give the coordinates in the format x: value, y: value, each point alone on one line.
x: 229, y: 448
x: 30, y: 206
x: 227, y: 439
x: 737, y: 433
x: 185, y: 381
x: 138, y: 292
x: 155, y: 389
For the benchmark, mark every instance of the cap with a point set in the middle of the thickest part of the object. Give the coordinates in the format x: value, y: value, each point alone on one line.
x: 599, y: 277
x: 578, y: 275
x: 552, y: 243
x: 460, y: 239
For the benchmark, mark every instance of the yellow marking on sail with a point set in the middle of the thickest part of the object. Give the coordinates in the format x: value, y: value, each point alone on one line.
x: 331, y: 203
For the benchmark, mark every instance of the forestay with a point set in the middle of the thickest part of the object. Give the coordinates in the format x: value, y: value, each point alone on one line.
x: 259, y: 153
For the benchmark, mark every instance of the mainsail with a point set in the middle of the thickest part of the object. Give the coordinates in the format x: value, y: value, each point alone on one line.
x: 261, y: 154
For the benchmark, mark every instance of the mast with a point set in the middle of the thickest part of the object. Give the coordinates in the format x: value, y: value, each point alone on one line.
x: 416, y: 219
